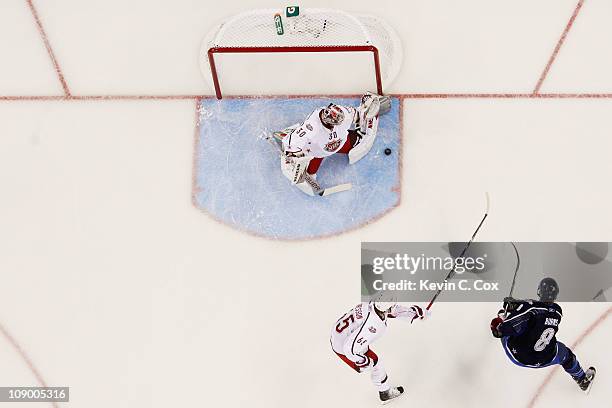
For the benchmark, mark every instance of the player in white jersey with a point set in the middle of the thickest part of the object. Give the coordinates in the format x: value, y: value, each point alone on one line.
x: 326, y: 131
x: 355, y: 331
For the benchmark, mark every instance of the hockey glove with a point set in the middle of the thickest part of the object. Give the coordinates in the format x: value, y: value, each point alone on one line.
x: 417, y: 313
x: 510, y: 304
x: 495, y: 324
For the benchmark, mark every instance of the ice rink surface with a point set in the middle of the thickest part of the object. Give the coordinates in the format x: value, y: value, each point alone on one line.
x: 238, y: 178
x: 117, y: 286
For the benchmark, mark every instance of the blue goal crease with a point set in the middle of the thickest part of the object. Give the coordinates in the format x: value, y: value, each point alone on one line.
x: 239, y: 182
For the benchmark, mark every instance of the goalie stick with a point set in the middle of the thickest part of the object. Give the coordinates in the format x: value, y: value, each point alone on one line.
x: 452, y: 271
x: 317, y: 189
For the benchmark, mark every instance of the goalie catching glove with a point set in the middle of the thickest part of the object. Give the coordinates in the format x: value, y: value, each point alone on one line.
x: 366, y: 121
x: 371, y: 106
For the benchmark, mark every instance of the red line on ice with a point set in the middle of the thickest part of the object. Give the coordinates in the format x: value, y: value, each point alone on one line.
x: 506, y: 96
x: 584, y: 335
x: 93, y: 98
x: 45, y: 39
x: 25, y: 358
x: 552, y: 58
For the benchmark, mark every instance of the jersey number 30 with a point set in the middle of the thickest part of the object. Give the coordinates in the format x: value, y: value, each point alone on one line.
x: 544, y: 339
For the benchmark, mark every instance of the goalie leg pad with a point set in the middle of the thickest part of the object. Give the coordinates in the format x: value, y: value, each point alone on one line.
x: 365, y: 145
x: 305, y: 188
x: 308, y: 188
x: 294, y: 168
x: 309, y: 185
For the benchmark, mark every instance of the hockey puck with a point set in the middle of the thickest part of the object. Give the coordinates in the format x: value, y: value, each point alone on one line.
x: 387, y: 151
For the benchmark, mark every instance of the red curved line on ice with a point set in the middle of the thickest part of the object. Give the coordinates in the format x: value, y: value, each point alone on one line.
x: 584, y: 335
x: 26, y: 359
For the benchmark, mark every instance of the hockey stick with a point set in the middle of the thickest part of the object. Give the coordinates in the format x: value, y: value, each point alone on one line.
x: 317, y: 189
x: 509, y: 299
x: 516, y: 269
x: 335, y: 189
x: 452, y: 271
x: 598, y: 294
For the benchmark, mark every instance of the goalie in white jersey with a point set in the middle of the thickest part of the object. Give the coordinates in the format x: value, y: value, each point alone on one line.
x: 355, y: 331
x: 326, y: 131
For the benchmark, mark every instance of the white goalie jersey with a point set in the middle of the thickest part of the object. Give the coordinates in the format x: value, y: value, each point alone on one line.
x: 313, y: 139
x: 326, y: 131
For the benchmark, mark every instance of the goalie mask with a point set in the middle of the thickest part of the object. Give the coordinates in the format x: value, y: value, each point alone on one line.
x: 332, y: 115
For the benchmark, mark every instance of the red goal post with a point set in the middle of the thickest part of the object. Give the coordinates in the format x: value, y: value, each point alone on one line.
x: 303, y: 31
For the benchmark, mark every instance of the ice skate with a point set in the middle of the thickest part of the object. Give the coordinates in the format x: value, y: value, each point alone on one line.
x: 586, y: 382
x: 390, y: 395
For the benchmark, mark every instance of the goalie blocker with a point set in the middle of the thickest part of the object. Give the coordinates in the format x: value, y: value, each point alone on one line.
x: 327, y: 131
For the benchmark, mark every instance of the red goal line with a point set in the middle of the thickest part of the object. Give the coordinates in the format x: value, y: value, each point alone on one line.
x: 25, y: 98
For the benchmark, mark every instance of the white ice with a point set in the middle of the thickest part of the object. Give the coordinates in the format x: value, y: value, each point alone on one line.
x: 115, y: 285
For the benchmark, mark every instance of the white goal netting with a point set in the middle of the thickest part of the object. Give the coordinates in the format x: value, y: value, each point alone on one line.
x: 312, y: 30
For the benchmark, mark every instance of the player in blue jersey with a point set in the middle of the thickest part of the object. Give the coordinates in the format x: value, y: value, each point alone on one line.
x: 528, y: 328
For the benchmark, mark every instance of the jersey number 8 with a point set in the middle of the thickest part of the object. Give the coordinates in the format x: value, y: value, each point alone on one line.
x: 544, y: 339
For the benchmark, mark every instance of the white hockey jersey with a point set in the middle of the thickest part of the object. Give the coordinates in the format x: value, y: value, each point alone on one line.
x: 361, y: 326
x: 315, y: 140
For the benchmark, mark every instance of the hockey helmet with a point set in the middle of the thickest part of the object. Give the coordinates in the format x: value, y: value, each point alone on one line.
x: 332, y: 115
x: 548, y: 290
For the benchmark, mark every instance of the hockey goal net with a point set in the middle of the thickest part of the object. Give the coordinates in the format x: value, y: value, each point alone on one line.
x: 298, y: 32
